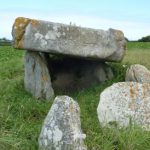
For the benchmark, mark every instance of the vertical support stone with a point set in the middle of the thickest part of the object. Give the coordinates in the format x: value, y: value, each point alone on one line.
x: 37, y: 78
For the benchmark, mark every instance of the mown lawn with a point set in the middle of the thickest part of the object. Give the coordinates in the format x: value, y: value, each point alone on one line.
x: 21, y: 115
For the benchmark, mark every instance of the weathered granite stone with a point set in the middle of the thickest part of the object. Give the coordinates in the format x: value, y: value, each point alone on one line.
x: 138, y: 73
x: 37, y: 78
x: 62, y: 127
x: 58, y: 38
x: 123, y: 102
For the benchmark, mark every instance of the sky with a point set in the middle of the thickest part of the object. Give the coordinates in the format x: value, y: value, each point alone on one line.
x: 130, y: 16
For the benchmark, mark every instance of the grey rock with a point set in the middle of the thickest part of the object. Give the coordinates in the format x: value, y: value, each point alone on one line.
x: 123, y: 102
x: 71, y: 40
x: 37, y: 78
x: 62, y: 128
x: 103, y: 72
x: 138, y: 73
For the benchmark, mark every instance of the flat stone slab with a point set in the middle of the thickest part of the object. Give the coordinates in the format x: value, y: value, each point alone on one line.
x: 56, y: 38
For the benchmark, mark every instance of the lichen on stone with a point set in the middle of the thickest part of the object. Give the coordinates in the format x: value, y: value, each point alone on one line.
x: 35, y: 23
x: 19, y: 28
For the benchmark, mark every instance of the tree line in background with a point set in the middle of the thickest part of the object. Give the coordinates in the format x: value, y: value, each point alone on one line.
x: 5, y: 42
x: 143, y: 39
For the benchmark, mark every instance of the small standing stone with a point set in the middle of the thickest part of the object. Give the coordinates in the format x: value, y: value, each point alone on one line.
x: 123, y: 102
x: 62, y: 127
x: 138, y: 73
x: 37, y: 78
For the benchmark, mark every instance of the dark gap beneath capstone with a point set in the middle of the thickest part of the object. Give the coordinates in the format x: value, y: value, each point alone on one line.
x: 69, y: 74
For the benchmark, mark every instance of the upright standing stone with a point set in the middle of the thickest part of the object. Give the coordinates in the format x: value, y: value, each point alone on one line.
x: 62, y: 127
x: 68, y: 40
x: 138, y: 73
x: 37, y: 78
x: 123, y: 102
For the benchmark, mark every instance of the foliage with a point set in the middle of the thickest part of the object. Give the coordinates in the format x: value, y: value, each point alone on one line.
x: 5, y: 42
x: 145, y: 39
x: 3, y: 39
x: 126, y: 39
x: 21, y: 115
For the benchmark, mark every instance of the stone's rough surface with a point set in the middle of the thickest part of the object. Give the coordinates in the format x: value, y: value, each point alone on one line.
x: 37, y: 79
x: 102, y: 72
x: 68, y: 40
x: 62, y: 127
x: 138, y: 73
x: 124, y: 101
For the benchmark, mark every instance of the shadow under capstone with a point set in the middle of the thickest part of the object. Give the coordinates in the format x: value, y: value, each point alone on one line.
x: 69, y: 74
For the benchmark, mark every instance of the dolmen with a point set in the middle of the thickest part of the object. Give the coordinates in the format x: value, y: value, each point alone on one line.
x: 65, y: 56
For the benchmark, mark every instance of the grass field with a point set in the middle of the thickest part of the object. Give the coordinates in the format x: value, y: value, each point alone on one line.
x: 21, y: 115
x: 138, y: 52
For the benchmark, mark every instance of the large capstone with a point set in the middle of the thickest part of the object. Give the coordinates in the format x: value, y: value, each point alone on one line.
x: 62, y: 128
x: 138, y: 73
x: 125, y: 102
x: 70, y: 40
x: 37, y: 78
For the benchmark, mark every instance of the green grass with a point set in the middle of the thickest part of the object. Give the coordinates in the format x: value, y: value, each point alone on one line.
x: 138, y: 52
x: 21, y: 116
x: 138, y: 46
x: 5, y: 43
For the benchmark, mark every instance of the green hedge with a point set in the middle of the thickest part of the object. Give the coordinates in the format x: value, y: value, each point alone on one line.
x: 5, y: 43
